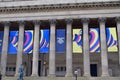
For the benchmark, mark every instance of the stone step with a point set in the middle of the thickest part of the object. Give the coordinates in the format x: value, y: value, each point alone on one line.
x: 64, y: 78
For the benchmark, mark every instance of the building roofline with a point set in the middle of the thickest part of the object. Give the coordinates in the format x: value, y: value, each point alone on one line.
x: 51, y: 2
x: 60, y: 6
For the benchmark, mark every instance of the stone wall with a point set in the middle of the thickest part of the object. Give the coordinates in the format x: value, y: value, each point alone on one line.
x: 77, y: 63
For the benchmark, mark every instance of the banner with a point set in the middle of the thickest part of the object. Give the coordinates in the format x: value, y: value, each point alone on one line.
x: 28, y: 41
x: 94, y: 40
x: 1, y: 40
x: 44, y: 41
x: 77, y: 40
x: 111, y: 39
x: 60, y: 41
x: 13, y: 42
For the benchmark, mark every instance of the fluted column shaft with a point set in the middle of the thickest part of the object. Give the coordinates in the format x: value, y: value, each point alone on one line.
x: 5, y: 48
x: 52, y: 49
x: 69, y: 71
x: 86, y: 58
x: 118, y: 33
x: 36, y: 48
x: 20, y: 46
x: 104, y: 57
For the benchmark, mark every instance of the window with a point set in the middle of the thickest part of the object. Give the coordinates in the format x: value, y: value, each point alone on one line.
x: 60, y: 68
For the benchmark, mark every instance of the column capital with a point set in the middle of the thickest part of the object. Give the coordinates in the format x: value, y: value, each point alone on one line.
x: 101, y: 19
x: 52, y: 21
x: 37, y: 22
x: 69, y: 21
x: 117, y: 19
x: 21, y: 22
x: 85, y: 20
x: 6, y: 23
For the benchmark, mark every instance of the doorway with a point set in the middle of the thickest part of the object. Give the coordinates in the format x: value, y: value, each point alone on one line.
x: 93, y: 70
x: 39, y: 68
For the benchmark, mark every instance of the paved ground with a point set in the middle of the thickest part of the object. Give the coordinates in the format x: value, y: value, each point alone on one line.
x: 64, y: 78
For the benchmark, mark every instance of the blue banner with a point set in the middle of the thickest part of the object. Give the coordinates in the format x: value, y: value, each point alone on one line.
x: 60, y: 41
x: 44, y: 41
x: 13, y: 42
x: 1, y: 40
x: 28, y: 41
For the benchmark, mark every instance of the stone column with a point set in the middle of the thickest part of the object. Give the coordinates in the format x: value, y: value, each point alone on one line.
x: 69, y: 71
x: 118, y: 33
x: 86, y: 58
x: 20, y: 46
x: 52, y: 49
x: 36, y: 48
x: 5, y: 48
x: 104, y: 57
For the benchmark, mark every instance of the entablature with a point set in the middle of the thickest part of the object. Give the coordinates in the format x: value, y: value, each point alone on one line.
x: 23, y: 8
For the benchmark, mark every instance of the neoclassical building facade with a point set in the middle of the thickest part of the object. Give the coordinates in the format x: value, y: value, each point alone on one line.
x: 38, y: 17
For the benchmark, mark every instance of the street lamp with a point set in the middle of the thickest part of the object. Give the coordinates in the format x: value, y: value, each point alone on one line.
x: 76, y: 74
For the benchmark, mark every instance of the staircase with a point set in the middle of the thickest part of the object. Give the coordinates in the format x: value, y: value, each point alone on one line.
x: 64, y: 78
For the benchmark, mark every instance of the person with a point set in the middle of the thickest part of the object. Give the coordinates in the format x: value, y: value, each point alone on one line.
x: 76, y: 74
x: 21, y: 72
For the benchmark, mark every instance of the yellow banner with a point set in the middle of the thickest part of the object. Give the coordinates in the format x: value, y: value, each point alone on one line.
x: 77, y: 40
x: 112, y: 39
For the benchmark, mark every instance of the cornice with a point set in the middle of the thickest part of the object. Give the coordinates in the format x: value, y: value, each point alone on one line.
x: 59, y: 6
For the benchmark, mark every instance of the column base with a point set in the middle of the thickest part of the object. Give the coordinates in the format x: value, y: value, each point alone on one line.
x: 51, y: 75
x: 86, y: 75
x: 16, y: 75
x: 69, y: 75
x: 3, y: 76
x: 34, y: 75
x: 105, y: 75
